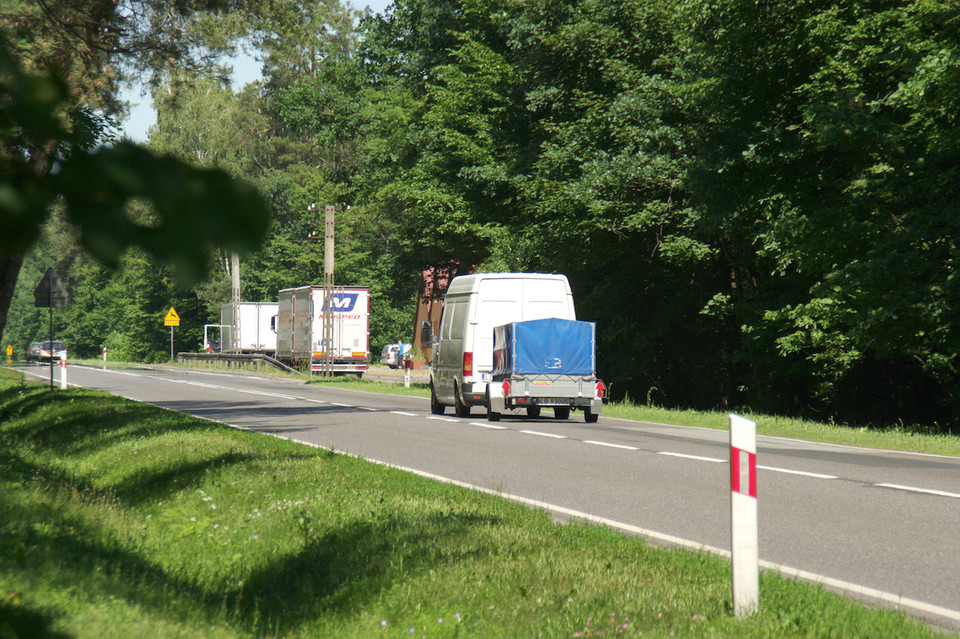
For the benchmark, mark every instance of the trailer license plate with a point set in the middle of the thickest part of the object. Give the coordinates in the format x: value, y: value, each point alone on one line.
x: 553, y: 401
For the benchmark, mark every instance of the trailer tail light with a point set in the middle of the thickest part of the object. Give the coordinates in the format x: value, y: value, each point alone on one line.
x: 468, y: 364
x: 505, y: 388
x: 601, y: 389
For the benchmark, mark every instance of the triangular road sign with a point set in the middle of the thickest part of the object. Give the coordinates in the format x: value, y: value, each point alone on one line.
x: 50, y: 292
x: 172, y: 319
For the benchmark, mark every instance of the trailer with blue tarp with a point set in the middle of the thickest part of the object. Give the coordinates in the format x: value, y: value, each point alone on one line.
x: 545, y: 363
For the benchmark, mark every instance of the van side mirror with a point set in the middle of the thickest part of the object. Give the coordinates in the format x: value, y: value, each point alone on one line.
x: 426, y: 333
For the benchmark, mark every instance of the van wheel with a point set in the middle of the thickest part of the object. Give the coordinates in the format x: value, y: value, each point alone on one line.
x: 533, y: 412
x: 561, y: 412
x: 435, y: 406
x: 461, y: 409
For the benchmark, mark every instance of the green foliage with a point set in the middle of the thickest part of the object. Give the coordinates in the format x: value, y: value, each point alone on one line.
x: 48, y: 131
x: 756, y: 204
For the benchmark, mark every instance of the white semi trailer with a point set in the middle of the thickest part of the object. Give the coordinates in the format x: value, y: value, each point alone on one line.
x: 254, y: 327
x: 300, y: 329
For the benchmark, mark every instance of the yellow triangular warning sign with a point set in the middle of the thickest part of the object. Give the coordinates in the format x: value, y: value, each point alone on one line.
x: 172, y: 319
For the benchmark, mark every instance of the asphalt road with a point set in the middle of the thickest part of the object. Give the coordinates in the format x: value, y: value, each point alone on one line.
x: 879, y: 525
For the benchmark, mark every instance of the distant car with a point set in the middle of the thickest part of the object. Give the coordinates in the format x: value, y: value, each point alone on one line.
x: 33, y: 352
x: 392, y: 355
x: 51, y: 350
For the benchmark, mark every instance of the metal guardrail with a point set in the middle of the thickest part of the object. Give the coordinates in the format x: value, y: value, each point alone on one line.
x: 237, y: 360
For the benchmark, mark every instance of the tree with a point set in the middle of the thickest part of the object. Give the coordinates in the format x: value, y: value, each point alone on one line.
x: 46, y: 121
x: 826, y: 168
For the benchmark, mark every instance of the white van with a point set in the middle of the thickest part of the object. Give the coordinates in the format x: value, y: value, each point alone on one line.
x: 462, y: 363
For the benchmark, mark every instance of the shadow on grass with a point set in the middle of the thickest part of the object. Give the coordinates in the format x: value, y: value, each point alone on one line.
x: 350, y: 566
x: 336, y: 570
x: 60, y: 420
x: 20, y: 621
x: 337, y: 573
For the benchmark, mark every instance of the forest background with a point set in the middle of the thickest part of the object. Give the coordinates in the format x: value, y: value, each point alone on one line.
x: 756, y: 201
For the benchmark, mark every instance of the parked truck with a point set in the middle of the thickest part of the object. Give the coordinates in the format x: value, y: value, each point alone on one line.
x: 545, y: 363
x: 255, y: 326
x: 300, y: 329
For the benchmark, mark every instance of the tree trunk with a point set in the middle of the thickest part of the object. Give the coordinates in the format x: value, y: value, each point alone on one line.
x: 9, y: 271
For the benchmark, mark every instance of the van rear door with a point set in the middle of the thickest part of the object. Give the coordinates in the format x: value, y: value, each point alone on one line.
x: 501, y: 301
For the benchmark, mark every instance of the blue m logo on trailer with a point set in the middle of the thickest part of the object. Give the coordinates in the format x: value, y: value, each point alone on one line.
x: 344, y: 302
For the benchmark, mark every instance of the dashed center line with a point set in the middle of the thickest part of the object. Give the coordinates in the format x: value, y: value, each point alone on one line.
x: 925, y: 491
x: 488, y: 425
x: 910, y: 489
x: 797, y: 472
x: 695, y: 457
x: 541, y: 434
x: 609, y: 445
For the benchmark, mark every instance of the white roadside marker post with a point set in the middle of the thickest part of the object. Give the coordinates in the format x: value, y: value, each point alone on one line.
x: 744, y: 523
x: 63, y: 369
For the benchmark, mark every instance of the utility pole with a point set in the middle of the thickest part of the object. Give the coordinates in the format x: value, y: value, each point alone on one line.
x: 328, y: 294
x: 235, y: 300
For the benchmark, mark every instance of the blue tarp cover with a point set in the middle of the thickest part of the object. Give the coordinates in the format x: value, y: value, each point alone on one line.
x: 544, y: 347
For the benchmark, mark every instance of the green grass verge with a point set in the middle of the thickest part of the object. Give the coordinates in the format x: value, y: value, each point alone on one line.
x: 120, y: 519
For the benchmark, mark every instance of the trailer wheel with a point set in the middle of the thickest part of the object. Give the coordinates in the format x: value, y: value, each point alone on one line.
x: 533, y: 412
x: 435, y: 406
x: 589, y: 416
x: 492, y: 416
x: 561, y: 412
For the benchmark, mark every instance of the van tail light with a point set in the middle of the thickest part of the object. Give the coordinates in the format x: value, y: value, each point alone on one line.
x: 468, y: 364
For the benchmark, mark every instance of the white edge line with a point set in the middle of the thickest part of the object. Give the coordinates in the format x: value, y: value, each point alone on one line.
x: 801, y: 575
x: 696, y: 457
x: 898, y: 601
x: 797, y: 472
x: 926, y: 491
x: 400, y: 412
x: 609, y: 445
x: 537, y: 432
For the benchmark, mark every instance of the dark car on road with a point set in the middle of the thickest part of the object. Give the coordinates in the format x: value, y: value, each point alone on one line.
x: 33, y: 352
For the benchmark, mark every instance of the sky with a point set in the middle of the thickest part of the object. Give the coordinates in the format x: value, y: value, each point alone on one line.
x: 246, y: 69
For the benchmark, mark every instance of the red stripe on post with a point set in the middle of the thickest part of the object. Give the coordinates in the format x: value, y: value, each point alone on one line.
x: 743, y: 472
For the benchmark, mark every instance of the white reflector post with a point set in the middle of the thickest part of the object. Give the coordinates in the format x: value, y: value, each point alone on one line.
x: 745, y: 531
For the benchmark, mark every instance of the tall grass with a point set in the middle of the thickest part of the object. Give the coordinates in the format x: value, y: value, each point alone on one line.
x: 119, y: 519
